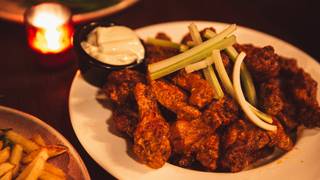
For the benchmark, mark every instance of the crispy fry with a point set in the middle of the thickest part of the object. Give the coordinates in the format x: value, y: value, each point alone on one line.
x: 34, y: 169
x: 50, y: 168
x: 5, y: 167
x: 49, y: 176
x: 28, y: 145
x: 7, y: 176
x: 4, y: 154
x: 53, y: 151
x: 28, y: 158
x: 1, y: 145
x: 37, y: 138
x: 15, y: 158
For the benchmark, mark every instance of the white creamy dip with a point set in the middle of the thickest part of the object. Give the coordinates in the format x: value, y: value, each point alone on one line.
x: 114, y: 45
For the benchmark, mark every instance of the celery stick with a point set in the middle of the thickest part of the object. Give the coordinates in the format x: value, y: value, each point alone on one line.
x: 232, y: 53
x: 222, y: 73
x: 246, y: 77
x: 226, y: 82
x: 163, y: 43
x: 208, y: 72
x: 241, y: 99
x: 199, y: 65
x: 265, y: 117
x: 211, y: 77
x: 189, y: 58
x: 195, y: 35
x: 195, y: 50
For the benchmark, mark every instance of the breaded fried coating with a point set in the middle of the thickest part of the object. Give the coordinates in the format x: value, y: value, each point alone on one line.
x: 194, y: 140
x: 120, y: 84
x: 173, y: 99
x: 262, y: 62
x: 201, y: 91
x: 125, y: 120
x: 221, y: 112
x: 243, y: 142
x: 271, y: 98
x: 151, y: 137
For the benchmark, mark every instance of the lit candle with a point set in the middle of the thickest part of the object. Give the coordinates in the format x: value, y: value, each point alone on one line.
x: 49, y: 28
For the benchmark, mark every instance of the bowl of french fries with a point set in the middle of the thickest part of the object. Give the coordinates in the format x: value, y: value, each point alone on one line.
x: 30, y: 149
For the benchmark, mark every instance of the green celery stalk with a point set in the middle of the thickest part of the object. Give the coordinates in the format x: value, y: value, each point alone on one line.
x: 163, y: 43
x: 226, y: 82
x: 195, y: 50
x: 241, y: 99
x: 211, y: 77
x: 222, y: 73
x: 246, y: 77
x: 199, y: 65
x: 191, y: 57
x: 194, y: 33
x: 208, y: 72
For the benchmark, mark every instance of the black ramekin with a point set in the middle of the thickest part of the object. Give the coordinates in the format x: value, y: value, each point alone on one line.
x: 92, y: 70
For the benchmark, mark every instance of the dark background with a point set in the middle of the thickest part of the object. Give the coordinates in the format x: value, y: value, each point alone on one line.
x: 44, y: 93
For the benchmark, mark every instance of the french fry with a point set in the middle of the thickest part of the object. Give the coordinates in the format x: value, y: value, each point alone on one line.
x: 28, y: 158
x: 28, y: 145
x: 15, y: 158
x: 50, y: 168
x: 49, y: 176
x: 5, y: 167
x: 1, y: 145
x: 34, y: 169
x: 7, y: 176
x: 53, y: 151
x: 37, y: 138
x: 4, y: 154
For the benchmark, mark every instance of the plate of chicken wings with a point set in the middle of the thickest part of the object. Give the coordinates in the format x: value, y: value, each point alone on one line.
x: 175, y: 127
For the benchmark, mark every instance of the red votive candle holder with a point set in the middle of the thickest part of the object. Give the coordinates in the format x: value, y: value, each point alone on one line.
x: 49, y: 30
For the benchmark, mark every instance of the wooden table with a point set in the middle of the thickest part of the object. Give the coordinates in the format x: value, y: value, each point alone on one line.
x: 44, y: 93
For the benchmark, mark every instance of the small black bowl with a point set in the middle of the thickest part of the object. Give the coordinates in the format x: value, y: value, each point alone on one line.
x: 92, y: 70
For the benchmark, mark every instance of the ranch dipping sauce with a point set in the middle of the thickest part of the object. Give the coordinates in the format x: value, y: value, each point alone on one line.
x: 114, y: 45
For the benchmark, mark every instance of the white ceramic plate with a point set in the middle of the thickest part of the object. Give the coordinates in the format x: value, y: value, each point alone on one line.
x: 12, y: 10
x: 91, y: 123
x: 27, y: 125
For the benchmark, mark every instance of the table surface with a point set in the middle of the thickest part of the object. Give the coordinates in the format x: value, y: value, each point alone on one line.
x: 44, y: 93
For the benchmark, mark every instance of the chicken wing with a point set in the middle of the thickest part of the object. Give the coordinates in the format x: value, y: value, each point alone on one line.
x: 241, y: 141
x: 125, y: 120
x: 173, y: 99
x: 244, y: 142
x: 201, y: 91
x: 271, y: 97
x: 194, y: 140
x: 151, y: 137
x: 221, y: 112
x: 119, y: 86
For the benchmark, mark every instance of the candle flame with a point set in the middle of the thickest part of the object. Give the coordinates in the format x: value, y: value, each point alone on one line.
x: 52, y: 40
x: 52, y: 31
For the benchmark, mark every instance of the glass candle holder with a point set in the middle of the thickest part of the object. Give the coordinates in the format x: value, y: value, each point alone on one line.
x: 49, y: 30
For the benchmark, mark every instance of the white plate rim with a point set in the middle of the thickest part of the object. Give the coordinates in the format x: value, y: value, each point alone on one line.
x: 55, y: 133
x: 160, y: 26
